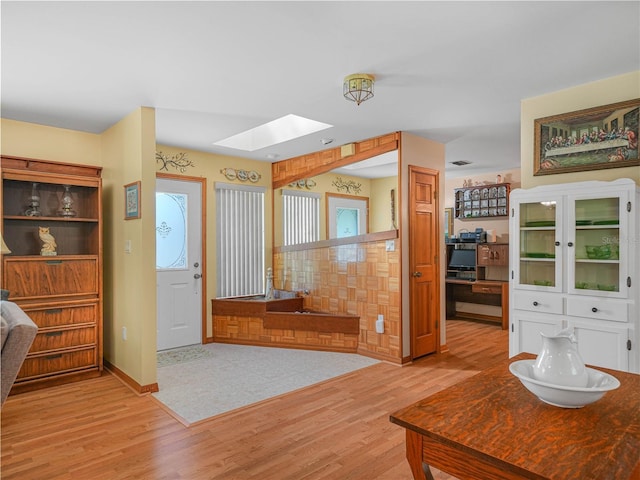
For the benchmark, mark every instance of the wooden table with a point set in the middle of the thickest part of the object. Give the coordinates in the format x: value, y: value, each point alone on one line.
x: 490, y: 427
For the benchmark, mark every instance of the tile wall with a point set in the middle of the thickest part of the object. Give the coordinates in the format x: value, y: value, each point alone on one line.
x: 359, y: 279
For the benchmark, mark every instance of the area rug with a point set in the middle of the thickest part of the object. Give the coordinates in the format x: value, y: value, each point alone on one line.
x: 182, y: 355
x: 226, y: 377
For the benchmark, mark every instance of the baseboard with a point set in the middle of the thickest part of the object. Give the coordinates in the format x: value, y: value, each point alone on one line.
x: 377, y: 356
x: 130, y: 382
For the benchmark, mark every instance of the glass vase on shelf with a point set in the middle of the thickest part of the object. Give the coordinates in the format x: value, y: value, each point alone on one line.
x: 33, y: 210
x: 67, y: 202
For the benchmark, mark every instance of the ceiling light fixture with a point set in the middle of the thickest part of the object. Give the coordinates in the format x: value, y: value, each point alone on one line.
x: 358, y: 87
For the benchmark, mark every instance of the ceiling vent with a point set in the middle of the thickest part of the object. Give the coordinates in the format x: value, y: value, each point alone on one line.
x: 460, y: 163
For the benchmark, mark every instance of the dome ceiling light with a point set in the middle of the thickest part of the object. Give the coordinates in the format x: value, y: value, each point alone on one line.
x: 358, y: 87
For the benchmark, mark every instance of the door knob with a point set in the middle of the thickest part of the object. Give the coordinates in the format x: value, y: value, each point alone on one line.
x: 417, y: 274
x: 197, y: 275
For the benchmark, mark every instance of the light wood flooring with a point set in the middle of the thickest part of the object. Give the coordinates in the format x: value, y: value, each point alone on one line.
x: 340, y: 429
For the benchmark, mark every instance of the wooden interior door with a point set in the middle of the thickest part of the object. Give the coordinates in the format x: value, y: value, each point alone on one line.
x: 423, y: 261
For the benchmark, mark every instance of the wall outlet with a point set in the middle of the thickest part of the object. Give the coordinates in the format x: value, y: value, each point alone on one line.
x: 124, y: 333
x: 380, y: 324
x: 390, y: 245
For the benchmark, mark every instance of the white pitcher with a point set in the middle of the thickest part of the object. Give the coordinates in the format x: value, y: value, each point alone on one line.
x: 559, y: 361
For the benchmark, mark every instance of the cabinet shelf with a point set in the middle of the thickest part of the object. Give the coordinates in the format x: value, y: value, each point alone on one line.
x: 62, y: 293
x: 24, y: 218
x: 482, y: 201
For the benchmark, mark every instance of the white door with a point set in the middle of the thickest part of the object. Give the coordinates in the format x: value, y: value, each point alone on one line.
x: 179, y: 262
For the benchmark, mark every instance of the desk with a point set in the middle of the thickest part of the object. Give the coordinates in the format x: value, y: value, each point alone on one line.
x: 486, y: 292
x: 490, y: 427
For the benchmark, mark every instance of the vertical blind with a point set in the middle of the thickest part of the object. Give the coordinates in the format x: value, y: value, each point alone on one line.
x: 240, y: 239
x: 300, y: 217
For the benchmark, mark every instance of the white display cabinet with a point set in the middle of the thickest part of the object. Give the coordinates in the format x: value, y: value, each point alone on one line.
x: 574, y: 263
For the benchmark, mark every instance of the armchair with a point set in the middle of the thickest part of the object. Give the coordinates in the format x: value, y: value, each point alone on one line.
x: 18, y: 333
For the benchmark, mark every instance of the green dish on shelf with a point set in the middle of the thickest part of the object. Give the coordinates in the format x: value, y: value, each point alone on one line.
x: 539, y: 255
x: 599, y: 252
x: 606, y: 222
x: 580, y: 223
x: 543, y: 283
x: 584, y: 286
x: 607, y: 288
x: 541, y: 223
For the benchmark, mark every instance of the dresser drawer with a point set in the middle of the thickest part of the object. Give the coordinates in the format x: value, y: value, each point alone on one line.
x: 58, y: 339
x: 40, y: 277
x: 598, y: 309
x: 38, y: 366
x: 537, y: 302
x: 58, y: 316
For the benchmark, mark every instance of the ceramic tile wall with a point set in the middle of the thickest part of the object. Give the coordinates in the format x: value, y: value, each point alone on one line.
x: 360, y: 279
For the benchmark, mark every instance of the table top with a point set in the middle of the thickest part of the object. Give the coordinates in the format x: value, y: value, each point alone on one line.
x: 494, y: 417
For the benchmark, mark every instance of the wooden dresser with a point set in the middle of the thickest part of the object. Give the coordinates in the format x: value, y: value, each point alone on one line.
x: 61, y: 292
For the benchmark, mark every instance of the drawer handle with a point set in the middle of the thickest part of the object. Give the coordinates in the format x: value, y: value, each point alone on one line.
x: 53, y: 334
x: 52, y: 311
x: 594, y: 309
x: 53, y: 262
x: 53, y: 357
x: 535, y: 304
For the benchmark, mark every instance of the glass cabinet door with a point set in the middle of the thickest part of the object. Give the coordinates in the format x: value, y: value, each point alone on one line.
x: 539, y: 261
x: 597, y: 263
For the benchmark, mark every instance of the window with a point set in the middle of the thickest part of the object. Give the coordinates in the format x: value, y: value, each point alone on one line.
x: 240, y: 240
x: 300, y: 217
x: 171, y: 231
x: 347, y: 215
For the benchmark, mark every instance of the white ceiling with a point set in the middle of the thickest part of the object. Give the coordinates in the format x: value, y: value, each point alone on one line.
x: 453, y: 72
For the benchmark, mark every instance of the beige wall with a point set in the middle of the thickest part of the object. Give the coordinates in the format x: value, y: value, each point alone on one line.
x: 499, y: 224
x: 209, y: 166
x: 48, y: 143
x: 425, y: 153
x: 130, y: 287
x: 602, y: 92
x: 380, y: 203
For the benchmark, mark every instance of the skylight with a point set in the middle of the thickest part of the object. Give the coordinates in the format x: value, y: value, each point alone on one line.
x: 277, y: 131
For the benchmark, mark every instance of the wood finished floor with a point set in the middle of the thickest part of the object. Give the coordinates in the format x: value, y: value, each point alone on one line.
x: 99, y: 429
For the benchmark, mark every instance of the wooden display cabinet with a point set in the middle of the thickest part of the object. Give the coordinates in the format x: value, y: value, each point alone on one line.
x: 482, y: 201
x: 62, y: 293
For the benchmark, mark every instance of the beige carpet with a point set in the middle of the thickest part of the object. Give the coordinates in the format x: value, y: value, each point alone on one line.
x: 201, y: 381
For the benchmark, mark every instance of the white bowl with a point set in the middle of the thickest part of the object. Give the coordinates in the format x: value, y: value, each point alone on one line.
x: 561, y: 395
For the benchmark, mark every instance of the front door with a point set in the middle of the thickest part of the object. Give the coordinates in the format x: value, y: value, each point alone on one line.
x: 179, y: 261
x: 423, y: 261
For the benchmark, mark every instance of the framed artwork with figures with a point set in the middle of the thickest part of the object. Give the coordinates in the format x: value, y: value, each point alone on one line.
x: 591, y: 139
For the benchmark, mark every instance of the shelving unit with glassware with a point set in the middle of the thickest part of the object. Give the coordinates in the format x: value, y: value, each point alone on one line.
x: 574, y: 263
x: 481, y: 201
x: 59, y: 287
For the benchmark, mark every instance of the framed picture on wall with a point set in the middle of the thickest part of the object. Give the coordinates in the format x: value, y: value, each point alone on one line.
x: 591, y: 139
x: 132, y: 201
